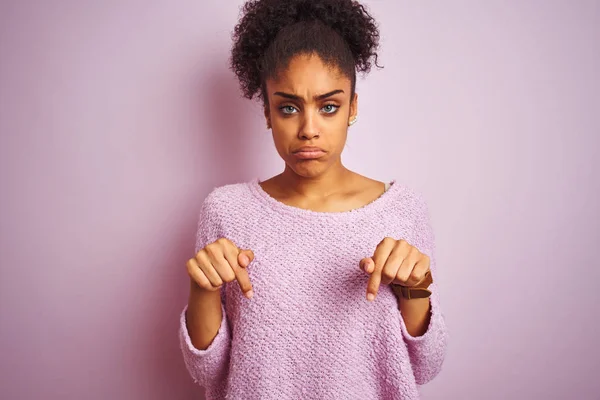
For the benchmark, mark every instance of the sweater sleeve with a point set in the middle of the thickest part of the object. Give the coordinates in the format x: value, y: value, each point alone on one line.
x: 427, y: 352
x: 207, y: 367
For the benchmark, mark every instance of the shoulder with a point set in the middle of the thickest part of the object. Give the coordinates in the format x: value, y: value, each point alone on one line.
x: 224, y: 198
x: 413, y: 209
x: 227, y: 193
x: 410, y: 199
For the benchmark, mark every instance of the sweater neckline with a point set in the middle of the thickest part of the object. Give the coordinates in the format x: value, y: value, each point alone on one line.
x: 378, y: 204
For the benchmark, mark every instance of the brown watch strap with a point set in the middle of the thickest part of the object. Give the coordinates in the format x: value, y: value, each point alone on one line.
x: 419, y: 291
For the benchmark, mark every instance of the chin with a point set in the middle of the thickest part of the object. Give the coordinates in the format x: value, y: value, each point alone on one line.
x: 307, y: 170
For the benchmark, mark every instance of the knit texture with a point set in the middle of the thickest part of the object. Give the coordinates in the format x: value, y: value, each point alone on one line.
x: 309, y: 331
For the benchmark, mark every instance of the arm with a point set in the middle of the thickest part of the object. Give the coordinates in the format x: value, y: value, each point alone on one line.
x: 203, y: 316
x: 416, y: 314
x: 204, y: 332
x: 205, y: 344
x: 423, y: 326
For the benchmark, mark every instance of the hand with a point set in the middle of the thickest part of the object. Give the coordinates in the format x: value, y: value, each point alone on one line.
x: 220, y: 262
x: 394, y: 261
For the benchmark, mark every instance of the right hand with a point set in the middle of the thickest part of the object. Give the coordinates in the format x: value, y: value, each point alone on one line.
x: 220, y: 262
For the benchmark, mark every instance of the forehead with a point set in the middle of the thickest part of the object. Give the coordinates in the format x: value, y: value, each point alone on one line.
x: 308, y: 75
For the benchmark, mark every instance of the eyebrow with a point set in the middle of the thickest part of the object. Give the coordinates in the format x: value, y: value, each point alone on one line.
x: 319, y: 97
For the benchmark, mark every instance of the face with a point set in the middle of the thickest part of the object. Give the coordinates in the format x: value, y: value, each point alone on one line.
x: 310, y: 106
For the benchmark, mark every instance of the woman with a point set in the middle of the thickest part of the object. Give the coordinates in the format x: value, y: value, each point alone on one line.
x: 316, y: 283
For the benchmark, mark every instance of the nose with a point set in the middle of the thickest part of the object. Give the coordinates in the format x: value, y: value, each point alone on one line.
x: 309, y: 128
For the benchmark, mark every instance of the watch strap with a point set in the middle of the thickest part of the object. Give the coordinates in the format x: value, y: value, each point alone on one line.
x: 419, y: 291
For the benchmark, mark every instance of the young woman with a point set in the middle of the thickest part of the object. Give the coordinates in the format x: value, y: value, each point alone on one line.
x: 316, y: 283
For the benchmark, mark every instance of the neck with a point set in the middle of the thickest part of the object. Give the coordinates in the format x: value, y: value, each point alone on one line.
x: 331, y: 181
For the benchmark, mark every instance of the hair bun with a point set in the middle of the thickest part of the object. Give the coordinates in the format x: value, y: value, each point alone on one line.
x: 262, y: 20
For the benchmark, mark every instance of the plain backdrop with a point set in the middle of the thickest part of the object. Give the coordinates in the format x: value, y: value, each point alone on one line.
x: 118, y: 117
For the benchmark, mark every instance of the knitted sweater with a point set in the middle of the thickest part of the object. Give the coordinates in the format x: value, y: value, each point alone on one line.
x: 309, y: 331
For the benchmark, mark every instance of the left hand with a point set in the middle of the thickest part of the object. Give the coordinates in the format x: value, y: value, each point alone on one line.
x: 394, y: 261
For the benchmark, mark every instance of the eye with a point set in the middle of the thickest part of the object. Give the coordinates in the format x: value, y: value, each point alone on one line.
x: 288, y: 109
x: 330, y: 108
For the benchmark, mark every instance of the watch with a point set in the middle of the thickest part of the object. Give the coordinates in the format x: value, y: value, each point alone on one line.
x: 419, y: 291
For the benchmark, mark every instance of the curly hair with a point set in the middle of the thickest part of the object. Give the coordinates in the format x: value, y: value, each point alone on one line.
x: 271, y: 32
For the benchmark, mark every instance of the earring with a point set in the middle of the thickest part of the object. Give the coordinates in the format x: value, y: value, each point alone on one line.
x: 268, y: 124
x: 353, y: 121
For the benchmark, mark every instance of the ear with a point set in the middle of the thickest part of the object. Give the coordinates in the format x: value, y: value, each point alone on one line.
x: 267, y: 115
x: 353, y: 107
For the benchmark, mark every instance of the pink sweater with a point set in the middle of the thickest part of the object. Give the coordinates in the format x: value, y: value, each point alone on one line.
x: 309, y: 331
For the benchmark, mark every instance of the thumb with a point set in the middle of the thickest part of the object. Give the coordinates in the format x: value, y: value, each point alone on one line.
x: 366, y: 264
x: 245, y: 257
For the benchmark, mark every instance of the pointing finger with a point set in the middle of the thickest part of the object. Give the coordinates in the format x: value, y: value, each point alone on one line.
x: 241, y: 274
x: 382, y: 252
x: 245, y: 258
x: 366, y: 264
x: 373, y: 285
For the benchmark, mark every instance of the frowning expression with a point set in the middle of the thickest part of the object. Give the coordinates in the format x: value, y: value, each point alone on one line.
x: 309, y: 106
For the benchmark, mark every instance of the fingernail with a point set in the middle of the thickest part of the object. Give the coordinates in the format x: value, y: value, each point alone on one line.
x: 370, y: 297
x: 245, y: 260
x: 249, y: 294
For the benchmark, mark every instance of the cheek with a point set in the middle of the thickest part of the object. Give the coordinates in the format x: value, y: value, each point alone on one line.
x: 282, y: 138
x: 338, y: 133
x: 285, y: 128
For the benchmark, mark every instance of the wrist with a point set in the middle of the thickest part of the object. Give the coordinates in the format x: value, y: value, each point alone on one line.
x: 418, y: 291
x: 195, y: 289
x: 199, y: 297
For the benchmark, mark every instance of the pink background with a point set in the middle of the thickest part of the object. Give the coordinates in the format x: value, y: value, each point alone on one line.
x: 117, y: 118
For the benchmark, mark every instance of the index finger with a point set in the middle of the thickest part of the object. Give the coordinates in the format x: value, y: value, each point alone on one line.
x: 241, y: 274
x: 382, y: 253
x: 374, y: 282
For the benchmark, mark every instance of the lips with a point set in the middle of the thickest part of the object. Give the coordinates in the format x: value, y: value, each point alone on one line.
x: 309, y: 153
x: 308, y: 149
